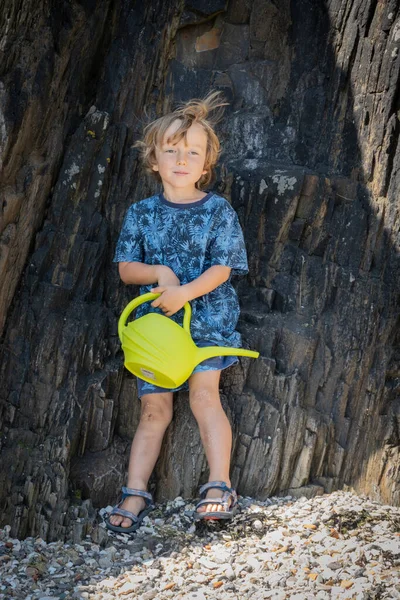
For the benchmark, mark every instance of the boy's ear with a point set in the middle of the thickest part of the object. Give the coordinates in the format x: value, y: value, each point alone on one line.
x: 204, y: 172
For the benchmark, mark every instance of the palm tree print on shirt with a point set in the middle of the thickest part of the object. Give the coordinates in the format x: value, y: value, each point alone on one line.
x: 190, y: 238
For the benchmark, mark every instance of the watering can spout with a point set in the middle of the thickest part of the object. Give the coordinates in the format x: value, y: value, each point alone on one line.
x: 212, y: 351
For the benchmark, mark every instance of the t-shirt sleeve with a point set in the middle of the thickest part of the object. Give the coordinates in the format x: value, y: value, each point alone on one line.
x: 227, y: 245
x: 130, y: 245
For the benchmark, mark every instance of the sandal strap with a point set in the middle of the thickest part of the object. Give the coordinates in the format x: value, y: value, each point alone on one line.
x: 124, y: 513
x: 148, y: 498
x: 228, y: 499
x: 211, y: 501
x: 219, y: 485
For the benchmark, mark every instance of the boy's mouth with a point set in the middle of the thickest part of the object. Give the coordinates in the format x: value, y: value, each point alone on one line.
x: 181, y: 173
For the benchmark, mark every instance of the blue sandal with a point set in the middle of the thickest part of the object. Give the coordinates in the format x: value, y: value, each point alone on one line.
x: 228, y: 500
x: 136, y: 519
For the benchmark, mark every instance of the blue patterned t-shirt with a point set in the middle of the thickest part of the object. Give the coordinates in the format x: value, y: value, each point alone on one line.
x: 189, y: 238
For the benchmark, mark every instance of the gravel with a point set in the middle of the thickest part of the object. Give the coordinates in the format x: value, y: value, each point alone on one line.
x: 337, y: 545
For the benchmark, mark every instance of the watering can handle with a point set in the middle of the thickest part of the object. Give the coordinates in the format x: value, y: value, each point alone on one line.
x: 147, y: 298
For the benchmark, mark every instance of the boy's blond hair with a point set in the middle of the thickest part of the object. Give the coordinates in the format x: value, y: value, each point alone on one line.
x: 193, y: 111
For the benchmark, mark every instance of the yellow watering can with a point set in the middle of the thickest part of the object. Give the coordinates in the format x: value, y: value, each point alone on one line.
x: 162, y: 352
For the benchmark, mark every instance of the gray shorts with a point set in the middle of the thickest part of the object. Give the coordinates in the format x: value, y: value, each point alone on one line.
x: 216, y: 363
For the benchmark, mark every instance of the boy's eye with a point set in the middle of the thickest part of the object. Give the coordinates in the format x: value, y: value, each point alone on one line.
x: 172, y: 151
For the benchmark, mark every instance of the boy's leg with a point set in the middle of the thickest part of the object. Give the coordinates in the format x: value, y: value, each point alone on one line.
x: 156, y: 415
x: 215, y: 429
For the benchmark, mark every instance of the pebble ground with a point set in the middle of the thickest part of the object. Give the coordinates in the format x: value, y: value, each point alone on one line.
x: 338, y: 545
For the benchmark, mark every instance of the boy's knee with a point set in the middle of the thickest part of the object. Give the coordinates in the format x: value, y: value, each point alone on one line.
x: 199, y: 394
x: 202, y: 398
x: 156, y: 411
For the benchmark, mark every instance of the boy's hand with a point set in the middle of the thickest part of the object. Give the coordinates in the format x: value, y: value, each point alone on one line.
x: 166, y: 276
x: 172, y: 298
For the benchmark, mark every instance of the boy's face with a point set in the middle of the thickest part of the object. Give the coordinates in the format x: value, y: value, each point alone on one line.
x: 182, y: 164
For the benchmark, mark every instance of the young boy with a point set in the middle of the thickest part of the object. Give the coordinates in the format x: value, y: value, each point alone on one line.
x: 184, y: 244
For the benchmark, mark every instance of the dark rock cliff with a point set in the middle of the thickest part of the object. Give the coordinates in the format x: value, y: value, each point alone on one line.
x: 310, y: 163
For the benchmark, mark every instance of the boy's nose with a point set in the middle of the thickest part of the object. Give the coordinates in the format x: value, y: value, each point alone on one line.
x: 180, y: 161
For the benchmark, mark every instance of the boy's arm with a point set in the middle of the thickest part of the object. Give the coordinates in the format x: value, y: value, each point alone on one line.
x: 173, y: 298
x: 206, y: 282
x: 141, y: 274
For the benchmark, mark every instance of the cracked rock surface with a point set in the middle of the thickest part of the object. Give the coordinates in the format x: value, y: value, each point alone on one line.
x: 311, y: 164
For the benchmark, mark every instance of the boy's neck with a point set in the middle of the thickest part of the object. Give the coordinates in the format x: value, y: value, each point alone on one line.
x: 183, y: 195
